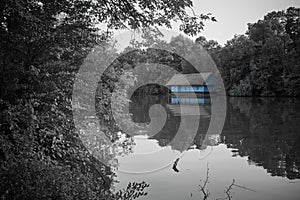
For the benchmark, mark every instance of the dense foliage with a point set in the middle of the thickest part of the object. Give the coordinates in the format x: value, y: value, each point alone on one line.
x: 265, y: 61
x: 42, y: 45
x: 262, y: 62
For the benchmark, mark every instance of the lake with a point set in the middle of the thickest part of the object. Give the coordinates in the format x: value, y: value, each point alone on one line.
x: 258, y: 148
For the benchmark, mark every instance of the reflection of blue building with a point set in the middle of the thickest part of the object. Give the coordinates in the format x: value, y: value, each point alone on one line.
x: 187, y: 100
x: 191, y: 83
x: 204, y: 111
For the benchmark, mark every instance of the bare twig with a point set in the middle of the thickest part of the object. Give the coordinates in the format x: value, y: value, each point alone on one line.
x: 245, y: 188
x: 193, y: 11
x: 202, y: 187
x: 228, y: 192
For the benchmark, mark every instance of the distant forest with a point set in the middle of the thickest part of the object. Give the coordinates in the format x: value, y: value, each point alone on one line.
x: 262, y: 62
x: 265, y: 61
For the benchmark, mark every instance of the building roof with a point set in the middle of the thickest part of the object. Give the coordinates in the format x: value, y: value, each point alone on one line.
x: 193, y: 79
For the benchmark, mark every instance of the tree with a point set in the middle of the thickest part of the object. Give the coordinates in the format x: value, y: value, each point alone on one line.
x: 42, y: 45
x: 264, y: 62
x: 234, y: 61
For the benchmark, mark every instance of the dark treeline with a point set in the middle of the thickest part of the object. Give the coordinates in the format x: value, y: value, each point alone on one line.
x: 42, y: 45
x: 262, y: 62
x: 265, y: 61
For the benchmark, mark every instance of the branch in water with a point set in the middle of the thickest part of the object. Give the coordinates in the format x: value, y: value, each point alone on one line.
x: 228, y: 193
x: 202, y: 187
x: 175, y: 165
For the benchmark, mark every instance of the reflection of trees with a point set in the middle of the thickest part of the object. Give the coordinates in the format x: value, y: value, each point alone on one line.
x: 140, y: 106
x: 266, y: 130
x: 167, y: 134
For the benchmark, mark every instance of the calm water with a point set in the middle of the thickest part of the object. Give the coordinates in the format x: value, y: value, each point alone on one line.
x: 259, y: 147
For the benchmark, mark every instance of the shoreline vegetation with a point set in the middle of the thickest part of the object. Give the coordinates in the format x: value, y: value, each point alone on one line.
x: 44, y: 43
x: 42, y: 46
x: 263, y: 62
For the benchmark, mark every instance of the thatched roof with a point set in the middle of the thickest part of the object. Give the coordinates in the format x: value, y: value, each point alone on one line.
x: 193, y: 79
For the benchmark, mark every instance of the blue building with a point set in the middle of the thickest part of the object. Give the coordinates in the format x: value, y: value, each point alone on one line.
x: 191, y: 88
x: 191, y: 83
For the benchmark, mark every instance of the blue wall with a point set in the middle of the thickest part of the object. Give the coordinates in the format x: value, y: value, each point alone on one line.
x: 189, y: 89
x: 175, y: 100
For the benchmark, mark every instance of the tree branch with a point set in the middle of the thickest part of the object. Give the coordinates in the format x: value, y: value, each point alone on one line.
x: 202, y: 187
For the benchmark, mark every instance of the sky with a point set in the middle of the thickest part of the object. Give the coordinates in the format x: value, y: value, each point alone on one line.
x: 232, y: 18
x: 234, y: 15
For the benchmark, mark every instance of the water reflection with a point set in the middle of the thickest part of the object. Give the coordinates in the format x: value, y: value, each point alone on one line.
x: 264, y: 129
x: 267, y: 131
x: 183, y: 115
x: 259, y: 147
